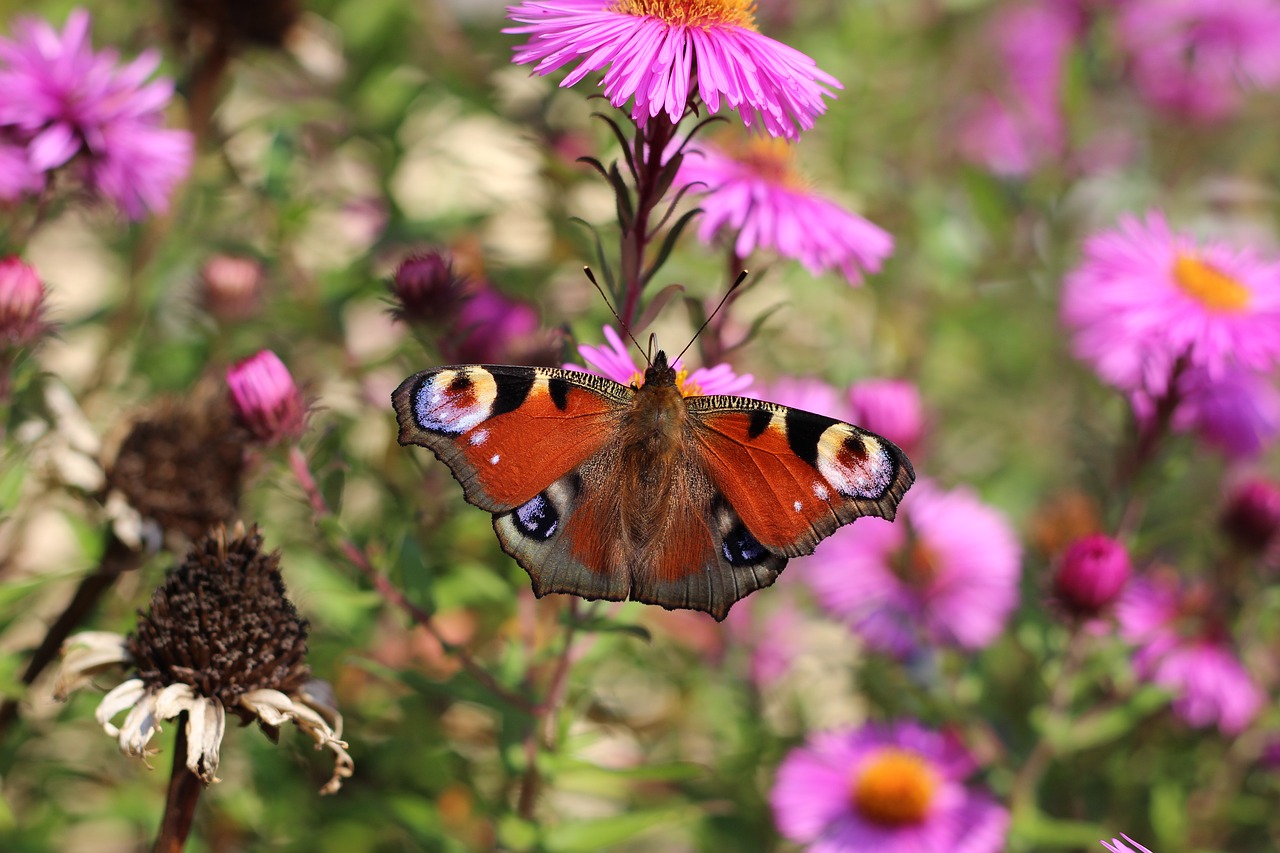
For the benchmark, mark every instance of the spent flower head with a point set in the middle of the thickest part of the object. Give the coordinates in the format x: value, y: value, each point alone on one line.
x: 659, y: 54
x: 1252, y: 514
x: 219, y: 637
x: 68, y: 104
x: 897, y: 788
x: 265, y: 399
x: 427, y: 289
x: 755, y: 197
x: 615, y: 361
x: 945, y: 572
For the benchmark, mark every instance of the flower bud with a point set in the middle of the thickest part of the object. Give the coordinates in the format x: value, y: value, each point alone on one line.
x: 1091, y: 574
x: 1252, y: 515
x: 21, y: 303
x: 231, y: 286
x: 265, y: 399
x: 426, y: 289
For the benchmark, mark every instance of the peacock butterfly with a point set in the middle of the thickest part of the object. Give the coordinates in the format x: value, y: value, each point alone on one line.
x: 610, y: 491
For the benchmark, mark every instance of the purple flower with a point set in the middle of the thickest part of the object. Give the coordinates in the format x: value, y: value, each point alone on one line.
x: 1144, y: 297
x: 658, y: 51
x: 897, y: 788
x: 17, y: 177
x: 890, y: 407
x: 614, y: 360
x: 810, y: 395
x: 1022, y: 129
x: 492, y: 328
x: 1252, y: 515
x: 1195, y: 57
x: 755, y: 197
x: 1237, y: 412
x: 63, y: 100
x: 426, y: 288
x: 1091, y: 574
x: 265, y: 399
x: 1183, y: 649
x: 1116, y: 846
x: 945, y: 572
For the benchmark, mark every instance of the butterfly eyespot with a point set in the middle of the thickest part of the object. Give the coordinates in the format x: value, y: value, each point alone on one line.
x: 453, y: 402
x: 537, y: 519
x: 460, y: 383
x: 740, y: 548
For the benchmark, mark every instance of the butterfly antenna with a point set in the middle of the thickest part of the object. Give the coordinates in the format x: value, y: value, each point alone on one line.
x: 622, y: 324
x: 737, y: 282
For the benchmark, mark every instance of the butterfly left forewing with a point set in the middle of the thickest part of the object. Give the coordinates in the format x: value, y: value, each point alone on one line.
x: 794, y: 477
x: 507, y: 433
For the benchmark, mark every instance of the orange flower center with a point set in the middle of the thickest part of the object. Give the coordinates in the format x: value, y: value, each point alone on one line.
x: 769, y: 158
x: 895, y: 788
x: 686, y: 387
x: 692, y: 13
x: 1216, y: 290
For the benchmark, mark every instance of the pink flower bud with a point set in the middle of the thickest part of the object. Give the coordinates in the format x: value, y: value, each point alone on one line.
x: 890, y: 407
x: 231, y: 286
x: 1252, y: 515
x: 426, y: 288
x: 21, y: 303
x: 265, y: 399
x: 1091, y: 574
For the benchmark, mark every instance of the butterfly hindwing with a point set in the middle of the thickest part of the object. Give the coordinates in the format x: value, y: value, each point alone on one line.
x: 507, y: 433
x: 793, y: 477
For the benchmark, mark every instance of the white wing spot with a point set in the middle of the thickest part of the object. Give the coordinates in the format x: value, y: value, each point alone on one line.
x: 493, y: 460
x: 480, y: 437
x: 797, y: 505
x: 821, y: 491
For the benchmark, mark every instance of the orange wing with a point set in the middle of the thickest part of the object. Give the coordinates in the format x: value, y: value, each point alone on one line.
x: 792, y: 476
x: 507, y: 433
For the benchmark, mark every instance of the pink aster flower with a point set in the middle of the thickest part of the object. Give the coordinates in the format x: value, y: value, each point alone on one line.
x: 1182, y: 648
x: 810, y: 395
x: 22, y: 297
x: 1023, y: 128
x: 889, y: 407
x: 1197, y: 57
x: 897, y: 788
x: 1117, y: 846
x: 489, y: 327
x: 265, y: 399
x: 1237, y: 412
x: 945, y: 572
x: 63, y: 100
x: 1144, y: 297
x: 615, y: 361
x: 756, y: 198
x: 657, y: 51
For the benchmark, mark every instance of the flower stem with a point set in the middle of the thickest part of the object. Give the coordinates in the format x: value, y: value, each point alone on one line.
x: 649, y: 148
x: 357, y: 557
x: 542, y: 729
x: 116, y: 559
x: 180, y: 803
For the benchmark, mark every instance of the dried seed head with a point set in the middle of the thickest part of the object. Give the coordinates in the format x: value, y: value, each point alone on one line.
x: 182, y: 465
x: 221, y: 622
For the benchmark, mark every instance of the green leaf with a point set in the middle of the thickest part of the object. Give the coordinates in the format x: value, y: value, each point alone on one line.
x: 669, y: 243
x: 589, y: 836
x: 623, y: 142
x: 655, y: 306
x: 604, y: 625
x: 626, y: 210
x: 606, y: 272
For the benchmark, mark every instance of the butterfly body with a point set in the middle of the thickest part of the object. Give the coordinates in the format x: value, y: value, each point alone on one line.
x: 612, y: 491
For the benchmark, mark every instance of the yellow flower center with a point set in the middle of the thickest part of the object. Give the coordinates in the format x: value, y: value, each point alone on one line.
x: 692, y: 13
x: 686, y: 387
x: 1216, y: 290
x: 895, y: 788
x: 772, y: 159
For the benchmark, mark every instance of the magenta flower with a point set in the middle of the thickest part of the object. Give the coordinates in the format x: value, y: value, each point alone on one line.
x: 64, y: 101
x: 890, y: 407
x: 1237, y: 412
x: 1144, y: 297
x: 1117, y: 846
x: 945, y: 572
x: 1182, y: 649
x: 21, y: 304
x: 615, y: 361
x: 1018, y: 131
x: 757, y: 200
x: 1197, y: 57
x: 492, y: 328
x: 1252, y: 514
x: 657, y: 51
x: 265, y: 399
x: 810, y: 395
x: 1091, y: 574
x: 898, y: 788
x: 426, y: 288
x: 17, y: 177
